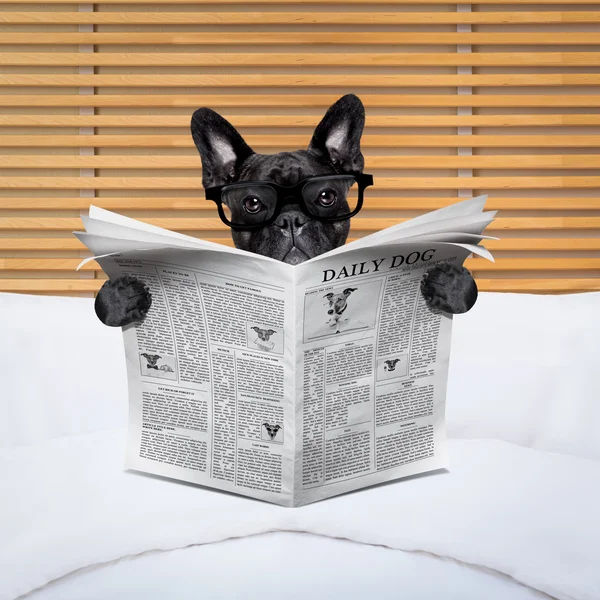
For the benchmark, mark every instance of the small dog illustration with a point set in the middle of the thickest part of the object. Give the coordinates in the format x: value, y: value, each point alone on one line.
x: 264, y: 334
x: 151, y: 359
x: 337, y: 305
x: 166, y: 368
x: 390, y: 365
x: 271, y: 429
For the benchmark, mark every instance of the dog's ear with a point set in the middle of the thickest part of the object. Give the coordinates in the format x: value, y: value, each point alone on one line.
x: 270, y: 331
x: 348, y: 291
x: 257, y: 329
x: 222, y: 149
x: 337, y: 136
x: 329, y: 296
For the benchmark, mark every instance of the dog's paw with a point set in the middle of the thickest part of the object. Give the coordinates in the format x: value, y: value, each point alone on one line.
x: 449, y: 288
x: 122, y: 301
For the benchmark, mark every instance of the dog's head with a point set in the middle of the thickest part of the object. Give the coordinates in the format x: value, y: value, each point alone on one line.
x: 294, y: 236
x: 264, y: 334
x: 271, y: 429
x: 391, y: 364
x: 152, y: 359
x: 337, y: 302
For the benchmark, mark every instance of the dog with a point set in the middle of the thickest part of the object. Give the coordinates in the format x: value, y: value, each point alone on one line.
x: 271, y: 430
x: 166, y: 368
x: 151, y: 359
x: 390, y: 365
x: 295, y: 236
x: 264, y: 334
x: 337, y: 305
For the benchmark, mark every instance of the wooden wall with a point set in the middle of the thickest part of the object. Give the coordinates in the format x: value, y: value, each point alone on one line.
x: 461, y: 99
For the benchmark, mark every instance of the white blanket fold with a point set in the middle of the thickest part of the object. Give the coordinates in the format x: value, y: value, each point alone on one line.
x: 526, y: 513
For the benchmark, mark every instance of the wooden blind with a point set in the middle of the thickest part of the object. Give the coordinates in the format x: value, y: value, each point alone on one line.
x: 461, y: 99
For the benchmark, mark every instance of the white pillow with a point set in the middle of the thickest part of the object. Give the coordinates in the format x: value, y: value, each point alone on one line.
x: 62, y: 372
x: 526, y: 369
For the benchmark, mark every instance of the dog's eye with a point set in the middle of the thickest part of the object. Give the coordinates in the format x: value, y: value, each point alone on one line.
x: 252, y: 204
x: 327, y: 198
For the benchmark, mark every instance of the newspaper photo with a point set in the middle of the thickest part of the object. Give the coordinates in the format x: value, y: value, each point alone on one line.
x: 290, y: 384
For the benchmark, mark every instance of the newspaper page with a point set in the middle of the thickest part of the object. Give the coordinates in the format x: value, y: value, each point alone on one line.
x: 288, y: 384
x: 211, y: 369
x: 372, y: 369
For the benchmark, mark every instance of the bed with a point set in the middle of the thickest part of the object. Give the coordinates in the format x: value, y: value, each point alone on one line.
x: 461, y: 99
x: 514, y: 517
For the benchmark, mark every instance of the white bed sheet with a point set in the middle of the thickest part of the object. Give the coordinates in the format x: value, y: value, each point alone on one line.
x: 521, y: 497
x: 526, y: 513
x: 524, y: 368
x: 286, y: 565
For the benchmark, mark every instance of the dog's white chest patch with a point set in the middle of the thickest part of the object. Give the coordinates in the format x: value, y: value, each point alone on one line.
x: 264, y: 345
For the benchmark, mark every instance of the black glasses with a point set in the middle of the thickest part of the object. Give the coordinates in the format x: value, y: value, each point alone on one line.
x: 253, y: 204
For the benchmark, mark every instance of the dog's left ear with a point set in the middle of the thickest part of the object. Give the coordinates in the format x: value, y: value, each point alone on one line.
x: 222, y: 149
x: 337, y: 136
x: 348, y: 291
x: 270, y: 331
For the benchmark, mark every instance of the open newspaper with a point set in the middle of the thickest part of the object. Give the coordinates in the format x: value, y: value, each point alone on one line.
x: 286, y: 383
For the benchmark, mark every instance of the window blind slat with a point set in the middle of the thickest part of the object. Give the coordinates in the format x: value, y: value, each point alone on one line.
x: 297, y: 59
x: 358, y: 223
x: 297, y: 121
x: 355, y: 38
x: 298, y: 18
x: 285, y: 100
x: 502, y: 162
x: 284, y: 142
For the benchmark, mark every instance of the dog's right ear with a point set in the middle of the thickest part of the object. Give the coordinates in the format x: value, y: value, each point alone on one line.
x: 222, y: 149
x: 329, y: 296
x: 337, y: 136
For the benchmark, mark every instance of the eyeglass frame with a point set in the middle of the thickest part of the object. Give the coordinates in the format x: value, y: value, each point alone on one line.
x: 288, y: 195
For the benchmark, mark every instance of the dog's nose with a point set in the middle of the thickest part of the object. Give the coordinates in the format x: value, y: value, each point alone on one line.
x: 291, y: 219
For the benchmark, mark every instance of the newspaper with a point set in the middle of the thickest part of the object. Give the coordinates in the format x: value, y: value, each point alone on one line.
x: 289, y: 384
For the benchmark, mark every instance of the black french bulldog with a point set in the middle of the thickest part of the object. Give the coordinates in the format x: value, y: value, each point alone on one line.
x: 294, y: 235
